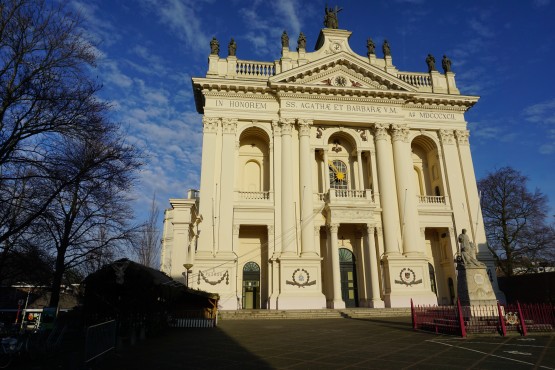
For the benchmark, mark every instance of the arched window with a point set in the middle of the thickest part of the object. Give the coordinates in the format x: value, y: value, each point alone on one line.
x: 338, y: 174
x: 251, y: 267
x: 251, y: 285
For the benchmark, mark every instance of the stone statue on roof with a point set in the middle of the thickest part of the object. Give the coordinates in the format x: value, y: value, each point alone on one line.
x: 370, y: 46
x: 232, y: 48
x: 330, y: 17
x: 386, y: 49
x: 301, y: 42
x: 446, y: 64
x: 431, y: 62
x: 214, y: 46
x: 284, y: 40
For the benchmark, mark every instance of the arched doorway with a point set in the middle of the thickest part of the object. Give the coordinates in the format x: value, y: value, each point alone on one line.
x: 251, y: 285
x: 347, y: 266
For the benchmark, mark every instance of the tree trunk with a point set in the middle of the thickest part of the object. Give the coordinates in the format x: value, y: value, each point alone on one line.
x: 57, y: 279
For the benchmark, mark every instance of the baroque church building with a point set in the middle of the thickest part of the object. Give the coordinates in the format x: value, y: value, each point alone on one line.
x: 329, y: 180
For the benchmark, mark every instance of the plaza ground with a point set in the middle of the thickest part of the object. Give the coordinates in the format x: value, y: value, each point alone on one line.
x: 385, y: 343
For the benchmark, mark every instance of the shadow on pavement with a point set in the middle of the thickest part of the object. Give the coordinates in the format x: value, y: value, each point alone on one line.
x: 185, y: 348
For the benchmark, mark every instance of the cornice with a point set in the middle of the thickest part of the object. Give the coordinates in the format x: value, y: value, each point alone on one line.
x: 343, y: 98
x: 337, y: 92
x: 266, y: 95
x: 438, y: 107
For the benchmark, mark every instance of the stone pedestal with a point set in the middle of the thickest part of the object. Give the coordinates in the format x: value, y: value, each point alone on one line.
x: 474, y: 287
x: 300, y: 284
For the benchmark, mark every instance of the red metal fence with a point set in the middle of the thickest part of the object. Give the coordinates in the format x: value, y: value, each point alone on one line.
x: 460, y: 320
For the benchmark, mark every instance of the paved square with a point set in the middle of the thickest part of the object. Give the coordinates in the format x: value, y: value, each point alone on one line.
x: 388, y: 343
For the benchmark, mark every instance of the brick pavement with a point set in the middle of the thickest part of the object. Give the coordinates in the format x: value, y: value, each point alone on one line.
x: 387, y: 343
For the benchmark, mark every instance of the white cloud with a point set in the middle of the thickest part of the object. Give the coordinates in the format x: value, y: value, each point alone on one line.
x: 112, y: 74
x: 541, y: 3
x: 182, y: 18
x: 481, y: 28
x: 492, y: 130
x: 98, y: 28
x: 543, y: 112
x: 265, y: 32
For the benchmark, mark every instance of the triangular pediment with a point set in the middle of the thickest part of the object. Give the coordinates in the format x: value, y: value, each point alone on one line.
x: 342, y: 70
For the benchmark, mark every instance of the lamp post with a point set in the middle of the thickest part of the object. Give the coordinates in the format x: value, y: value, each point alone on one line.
x: 188, y: 270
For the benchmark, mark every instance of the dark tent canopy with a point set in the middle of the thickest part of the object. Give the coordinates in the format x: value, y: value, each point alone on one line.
x: 127, y: 290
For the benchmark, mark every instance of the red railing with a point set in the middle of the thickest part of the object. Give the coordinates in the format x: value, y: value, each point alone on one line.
x: 460, y: 320
x: 439, y: 319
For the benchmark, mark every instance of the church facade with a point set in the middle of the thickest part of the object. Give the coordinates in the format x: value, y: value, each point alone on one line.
x: 328, y: 180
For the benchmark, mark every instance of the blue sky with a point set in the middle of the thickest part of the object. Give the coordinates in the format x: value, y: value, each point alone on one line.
x: 503, y: 51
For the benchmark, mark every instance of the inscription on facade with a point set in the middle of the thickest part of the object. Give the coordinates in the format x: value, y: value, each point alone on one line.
x: 428, y: 115
x: 336, y: 107
x: 241, y: 104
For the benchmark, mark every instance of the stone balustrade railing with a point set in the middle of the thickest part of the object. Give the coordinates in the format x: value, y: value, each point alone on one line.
x: 420, y: 80
x: 249, y: 68
x: 431, y: 199
x: 255, y: 195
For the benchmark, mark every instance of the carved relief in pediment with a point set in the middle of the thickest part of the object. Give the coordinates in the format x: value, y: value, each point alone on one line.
x: 340, y: 76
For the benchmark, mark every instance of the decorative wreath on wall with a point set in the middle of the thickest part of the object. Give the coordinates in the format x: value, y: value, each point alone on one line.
x: 301, y: 278
x: 511, y: 318
x: 224, y: 276
x: 408, y: 277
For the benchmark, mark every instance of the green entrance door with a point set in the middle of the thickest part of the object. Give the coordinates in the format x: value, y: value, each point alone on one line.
x: 347, y: 266
x: 251, y: 285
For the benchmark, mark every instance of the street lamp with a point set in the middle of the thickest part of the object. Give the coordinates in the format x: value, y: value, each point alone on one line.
x: 188, y: 270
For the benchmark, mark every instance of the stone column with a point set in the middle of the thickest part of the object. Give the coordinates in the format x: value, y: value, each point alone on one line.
x: 227, y: 183
x: 336, y: 272
x: 360, y: 173
x: 388, y: 196
x: 207, y: 238
x: 374, y: 298
x: 306, y: 190
x: 405, y: 193
x: 287, y: 199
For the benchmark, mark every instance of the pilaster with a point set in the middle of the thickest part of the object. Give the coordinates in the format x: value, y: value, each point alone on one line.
x: 287, y: 198
x: 306, y: 190
x: 207, y: 239
x: 227, y: 184
x: 277, y: 165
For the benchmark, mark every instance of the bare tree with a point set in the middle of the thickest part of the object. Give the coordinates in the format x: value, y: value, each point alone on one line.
x: 147, y: 245
x: 90, y: 216
x: 45, y: 94
x: 516, y: 222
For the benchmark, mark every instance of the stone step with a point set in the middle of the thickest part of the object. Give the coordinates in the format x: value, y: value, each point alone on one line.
x: 355, y: 313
